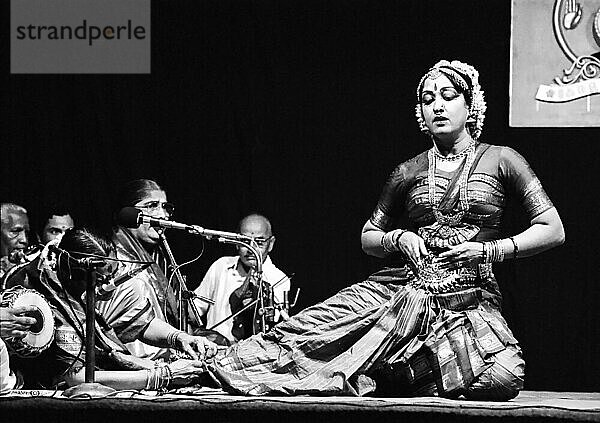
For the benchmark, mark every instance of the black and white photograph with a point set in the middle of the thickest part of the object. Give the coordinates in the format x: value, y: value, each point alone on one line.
x: 300, y: 210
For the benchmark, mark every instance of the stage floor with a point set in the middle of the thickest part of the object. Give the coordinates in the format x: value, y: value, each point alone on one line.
x: 209, y: 405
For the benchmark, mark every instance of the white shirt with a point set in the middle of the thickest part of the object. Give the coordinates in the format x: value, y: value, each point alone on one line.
x: 219, y: 283
x: 8, y: 379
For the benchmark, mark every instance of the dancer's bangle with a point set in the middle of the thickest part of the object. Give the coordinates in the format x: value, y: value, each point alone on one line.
x: 389, y: 241
x: 484, y: 252
x: 515, y: 247
x: 493, y: 251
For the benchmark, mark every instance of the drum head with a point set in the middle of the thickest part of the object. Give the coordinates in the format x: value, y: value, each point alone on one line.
x: 40, y: 335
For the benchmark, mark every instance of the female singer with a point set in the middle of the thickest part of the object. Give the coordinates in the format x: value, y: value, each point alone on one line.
x: 142, y: 244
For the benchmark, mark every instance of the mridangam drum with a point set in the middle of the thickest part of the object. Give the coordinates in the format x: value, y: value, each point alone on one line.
x: 40, y: 335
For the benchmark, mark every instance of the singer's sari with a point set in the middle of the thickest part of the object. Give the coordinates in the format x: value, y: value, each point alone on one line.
x: 406, y: 331
x: 151, y: 281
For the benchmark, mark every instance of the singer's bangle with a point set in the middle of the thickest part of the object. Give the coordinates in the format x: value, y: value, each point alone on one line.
x: 172, y: 338
x: 515, y: 247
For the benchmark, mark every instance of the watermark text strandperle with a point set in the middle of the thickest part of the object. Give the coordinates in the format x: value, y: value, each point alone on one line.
x: 87, y: 32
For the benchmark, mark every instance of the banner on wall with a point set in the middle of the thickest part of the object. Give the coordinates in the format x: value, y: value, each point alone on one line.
x: 555, y: 63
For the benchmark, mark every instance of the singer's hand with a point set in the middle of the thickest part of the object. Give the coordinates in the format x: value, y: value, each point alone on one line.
x: 197, y: 347
x: 185, y: 371
x: 13, y: 323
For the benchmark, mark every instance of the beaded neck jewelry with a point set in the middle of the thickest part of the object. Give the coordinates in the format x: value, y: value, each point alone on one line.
x: 454, y: 157
x: 455, y: 218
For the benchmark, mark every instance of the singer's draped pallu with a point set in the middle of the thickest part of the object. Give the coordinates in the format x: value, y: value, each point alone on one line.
x: 412, y: 331
x: 66, y: 355
x: 153, y: 284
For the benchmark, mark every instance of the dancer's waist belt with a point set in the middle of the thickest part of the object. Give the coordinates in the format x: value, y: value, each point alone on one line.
x: 439, y: 281
x: 460, y: 300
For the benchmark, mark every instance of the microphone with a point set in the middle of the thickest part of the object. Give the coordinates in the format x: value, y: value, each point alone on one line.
x: 83, y: 262
x: 132, y: 217
x: 106, y: 288
x: 128, y: 217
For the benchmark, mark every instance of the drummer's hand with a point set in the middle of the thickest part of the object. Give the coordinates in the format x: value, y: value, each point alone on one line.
x: 13, y: 324
x: 467, y: 253
x: 197, y: 347
x: 412, y: 246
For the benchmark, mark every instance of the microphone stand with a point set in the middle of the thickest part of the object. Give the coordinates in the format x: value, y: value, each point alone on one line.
x: 182, y: 291
x: 248, y: 242
x: 90, y: 387
x: 221, y: 236
x: 285, y: 308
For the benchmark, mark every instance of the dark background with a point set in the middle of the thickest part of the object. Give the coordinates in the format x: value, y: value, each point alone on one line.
x: 299, y: 110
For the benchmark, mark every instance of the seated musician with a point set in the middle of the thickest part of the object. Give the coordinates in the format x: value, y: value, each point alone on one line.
x: 14, y: 323
x: 230, y: 282
x: 13, y: 235
x: 62, y: 282
x: 50, y: 225
x: 142, y: 244
x: 53, y: 222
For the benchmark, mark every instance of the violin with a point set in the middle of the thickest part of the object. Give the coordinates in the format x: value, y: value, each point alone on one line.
x: 255, y: 314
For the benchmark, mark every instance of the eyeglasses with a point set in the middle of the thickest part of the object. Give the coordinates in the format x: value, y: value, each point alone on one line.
x: 154, y: 206
x: 261, y: 242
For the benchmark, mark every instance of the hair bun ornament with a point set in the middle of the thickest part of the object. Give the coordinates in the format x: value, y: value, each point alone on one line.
x: 477, y: 107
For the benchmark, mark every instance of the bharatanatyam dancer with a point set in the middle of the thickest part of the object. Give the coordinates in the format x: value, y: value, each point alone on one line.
x: 431, y: 325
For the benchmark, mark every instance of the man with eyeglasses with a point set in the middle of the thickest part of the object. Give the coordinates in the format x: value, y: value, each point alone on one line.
x: 14, y: 231
x: 230, y: 282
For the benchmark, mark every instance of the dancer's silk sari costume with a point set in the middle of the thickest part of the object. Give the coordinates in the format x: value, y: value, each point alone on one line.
x: 417, y: 331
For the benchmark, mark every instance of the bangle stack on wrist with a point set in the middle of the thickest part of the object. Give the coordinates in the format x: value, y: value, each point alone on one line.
x: 159, y: 377
x: 172, y: 338
x: 493, y: 252
x: 389, y: 241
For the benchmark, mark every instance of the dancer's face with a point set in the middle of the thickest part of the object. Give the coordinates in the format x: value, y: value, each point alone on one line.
x: 444, y: 108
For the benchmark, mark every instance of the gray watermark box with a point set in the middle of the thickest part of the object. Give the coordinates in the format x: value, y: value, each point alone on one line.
x: 79, y: 36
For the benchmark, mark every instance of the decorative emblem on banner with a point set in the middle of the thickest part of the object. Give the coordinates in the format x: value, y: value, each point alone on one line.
x: 582, y: 78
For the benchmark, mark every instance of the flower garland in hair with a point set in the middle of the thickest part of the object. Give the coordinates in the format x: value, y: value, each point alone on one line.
x: 477, y: 107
